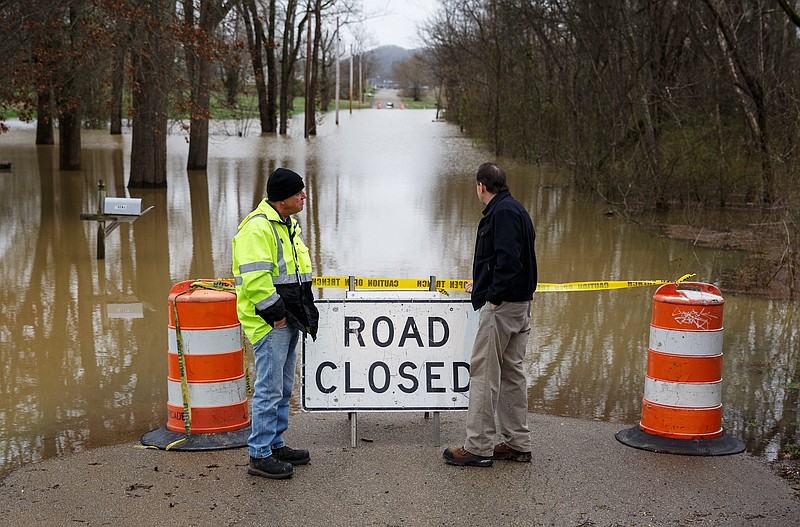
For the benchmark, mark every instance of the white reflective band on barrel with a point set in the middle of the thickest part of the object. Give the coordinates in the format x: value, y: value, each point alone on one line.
x: 693, y: 395
x: 700, y: 297
x: 209, y: 393
x: 691, y: 343
x: 206, y: 341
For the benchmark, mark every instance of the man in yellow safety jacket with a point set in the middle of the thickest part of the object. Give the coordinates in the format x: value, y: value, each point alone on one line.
x: 274, y: 301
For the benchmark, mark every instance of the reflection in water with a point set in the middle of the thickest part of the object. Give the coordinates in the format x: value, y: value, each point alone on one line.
x: 84, y: 341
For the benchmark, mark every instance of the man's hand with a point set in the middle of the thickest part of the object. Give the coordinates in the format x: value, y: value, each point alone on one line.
x: 468, y: 287
x: 280, y: 323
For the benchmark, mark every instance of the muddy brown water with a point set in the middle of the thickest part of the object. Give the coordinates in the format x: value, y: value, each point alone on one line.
x: 391, y: 194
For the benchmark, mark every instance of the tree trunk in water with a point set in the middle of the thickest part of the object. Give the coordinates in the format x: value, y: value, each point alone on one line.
x: 198, y: 64
x: 151, y: 62
x: 289, y: 51
x: 117, y: 81
x: 198, y: 133
x: 44, y: 123
x: 69, y: 100
x: 285, y: 99
x: 272, y: 82
x: 149, y: 142
x: 324, y: 80
x: 69, y: 147
x: 308, y: 114
x: 312, y: 120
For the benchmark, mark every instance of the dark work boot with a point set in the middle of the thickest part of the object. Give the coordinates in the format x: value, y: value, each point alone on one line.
x: 290, y: 455
x: 503, y: 451
x: 270, y: 467
x: 460, y: 457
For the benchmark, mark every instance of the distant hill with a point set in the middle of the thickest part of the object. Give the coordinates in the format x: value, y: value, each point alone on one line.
x: 383, y: 59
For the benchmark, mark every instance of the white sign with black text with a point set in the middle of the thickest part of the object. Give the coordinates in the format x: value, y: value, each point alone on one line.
x: 389, y: 355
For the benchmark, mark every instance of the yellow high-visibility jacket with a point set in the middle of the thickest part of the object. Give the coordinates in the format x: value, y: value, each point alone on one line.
x: 272, y: 273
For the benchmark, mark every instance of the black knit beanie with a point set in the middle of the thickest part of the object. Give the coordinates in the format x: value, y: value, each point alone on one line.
x: 282, y: 184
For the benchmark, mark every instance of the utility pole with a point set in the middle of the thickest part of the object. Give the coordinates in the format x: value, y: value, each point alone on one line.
x: 336, y: 96
x: 309, y: 99
x: 351, y: 78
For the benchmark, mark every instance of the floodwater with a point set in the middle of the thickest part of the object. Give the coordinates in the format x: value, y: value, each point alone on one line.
x: 391, y: 194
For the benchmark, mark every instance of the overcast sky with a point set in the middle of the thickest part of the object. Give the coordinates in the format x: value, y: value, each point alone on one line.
x: 394, y: 22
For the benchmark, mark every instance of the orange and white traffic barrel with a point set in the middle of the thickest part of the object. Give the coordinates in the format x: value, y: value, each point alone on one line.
x: 682, y: 404
x: 207, y: 405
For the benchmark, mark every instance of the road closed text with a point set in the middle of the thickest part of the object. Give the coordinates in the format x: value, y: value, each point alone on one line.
x: 385, y: 332
x: 388, y: 355
x: 431, y: 377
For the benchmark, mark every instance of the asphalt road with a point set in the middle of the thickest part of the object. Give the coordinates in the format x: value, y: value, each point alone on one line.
x: 385, y: 95
x: 580, y: 476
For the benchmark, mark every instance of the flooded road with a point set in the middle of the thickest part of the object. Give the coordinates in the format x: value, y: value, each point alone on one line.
x: 83, y: 342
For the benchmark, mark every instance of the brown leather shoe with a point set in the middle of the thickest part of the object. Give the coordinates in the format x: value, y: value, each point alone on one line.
x: 505, y: 452
x: 460, y: 457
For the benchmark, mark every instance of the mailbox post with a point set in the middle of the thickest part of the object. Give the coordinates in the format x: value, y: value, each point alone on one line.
x: 115, y: 211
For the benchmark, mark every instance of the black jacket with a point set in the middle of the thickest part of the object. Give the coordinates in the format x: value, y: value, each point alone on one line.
x: 504, y: 266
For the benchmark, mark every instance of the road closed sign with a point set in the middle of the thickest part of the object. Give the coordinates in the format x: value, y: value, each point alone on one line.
x: 389, y: 355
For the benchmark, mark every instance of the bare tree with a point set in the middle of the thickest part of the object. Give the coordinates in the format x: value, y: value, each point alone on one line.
x: 52, y: 54
x: 290, y: 50
x: 151, y: 61
x: 259, y: 42
x: 791, y: 12
x: 81, y: 48
x: 117, y: 87
x: 616, y: 92
x: 747, y: 83
x: 312, y: 65
x: 201, y: 47
x: 413, y: 75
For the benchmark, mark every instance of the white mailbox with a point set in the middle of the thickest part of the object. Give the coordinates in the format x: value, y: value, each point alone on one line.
x: 113, y: 211
x: 123, y: 206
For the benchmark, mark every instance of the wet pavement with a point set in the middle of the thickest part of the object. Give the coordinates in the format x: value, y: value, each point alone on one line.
x: 580, y: 476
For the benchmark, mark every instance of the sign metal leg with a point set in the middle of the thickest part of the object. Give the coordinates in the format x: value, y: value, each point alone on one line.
x: 353, y: 429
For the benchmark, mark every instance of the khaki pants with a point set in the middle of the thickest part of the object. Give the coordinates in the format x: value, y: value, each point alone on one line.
x: 497, y: 383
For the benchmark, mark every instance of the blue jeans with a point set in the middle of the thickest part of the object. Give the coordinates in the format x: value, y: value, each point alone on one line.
x: 275, y: 356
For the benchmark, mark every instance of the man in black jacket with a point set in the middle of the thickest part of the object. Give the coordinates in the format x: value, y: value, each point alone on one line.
x: 504, y: 278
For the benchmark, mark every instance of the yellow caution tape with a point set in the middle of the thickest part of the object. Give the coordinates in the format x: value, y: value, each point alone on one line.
x: 449, y: 284
x: 598, y: 286
x: 385, y: 283
x: 227, y: 284
x: 219, y: 284
x: 187, y: 408
x: 178, y: 442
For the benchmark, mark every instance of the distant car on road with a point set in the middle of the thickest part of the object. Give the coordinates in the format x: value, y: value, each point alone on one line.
x: 390, y: 104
